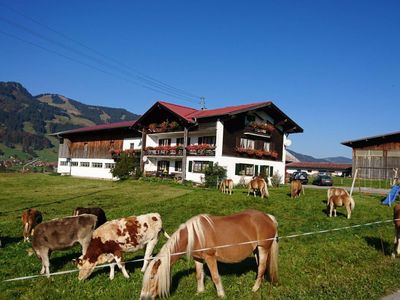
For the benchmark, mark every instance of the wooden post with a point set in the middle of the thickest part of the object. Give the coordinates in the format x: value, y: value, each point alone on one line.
x: 354, y: 181
x: 184, y: 158
x: 142, y: 151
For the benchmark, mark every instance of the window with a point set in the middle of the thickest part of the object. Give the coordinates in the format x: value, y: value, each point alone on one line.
x: 264, y: 170
x: 207, y: 140
x: 178, y: 166
x: 97, y: 165
x: 198, y: 166
x: 132, y: 146
x: 267, y: 146
x: 163, y: 166
x: 109, y: 165
x: 179, y: 141
x: 244, y: 169
x: 85, y: 164
x: 164, y: 142
x: 74, y: 163
x: 63, y: 163
x: 246, y: 143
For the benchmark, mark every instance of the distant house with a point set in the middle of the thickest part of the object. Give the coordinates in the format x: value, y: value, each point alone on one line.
x: 313, y: 168
x: 375, y: 157
x: 174, y: 140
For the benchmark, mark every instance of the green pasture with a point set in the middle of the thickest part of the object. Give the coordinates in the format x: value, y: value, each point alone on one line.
x: 347, y: 264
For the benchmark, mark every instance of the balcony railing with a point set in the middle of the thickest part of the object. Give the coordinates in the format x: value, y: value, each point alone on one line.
x: 256, y: 153
x: 201, y: 150
x: 164, y: 150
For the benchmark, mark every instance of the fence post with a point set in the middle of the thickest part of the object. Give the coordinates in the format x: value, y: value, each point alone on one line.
x: 354, y: 181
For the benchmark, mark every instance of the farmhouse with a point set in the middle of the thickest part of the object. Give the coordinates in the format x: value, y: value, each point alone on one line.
x: 375, y: 157
x: 174, y: 140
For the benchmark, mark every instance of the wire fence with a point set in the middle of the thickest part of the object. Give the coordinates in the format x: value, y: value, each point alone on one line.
x: 291, y: 236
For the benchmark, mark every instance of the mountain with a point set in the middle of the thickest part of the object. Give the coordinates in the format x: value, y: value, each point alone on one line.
x: 308, y: 158
x: 26, y: 120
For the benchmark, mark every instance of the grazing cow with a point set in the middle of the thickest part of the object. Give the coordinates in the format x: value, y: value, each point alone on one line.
x: 340, y: 197
x: 258, y: 183
x: 122, y: 235
x: 59, y: 234
x: 226, y: 186
x: 296, y: 188
x: 396, y: 221
x: 97, y: 211
x: 30, y: 218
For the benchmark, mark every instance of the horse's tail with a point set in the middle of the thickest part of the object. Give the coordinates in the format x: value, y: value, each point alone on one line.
x: 265, y: 189
x: 273, y: 260
x: 352, y: 203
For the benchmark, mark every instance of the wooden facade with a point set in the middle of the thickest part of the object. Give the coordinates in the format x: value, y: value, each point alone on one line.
x: 376, y: 157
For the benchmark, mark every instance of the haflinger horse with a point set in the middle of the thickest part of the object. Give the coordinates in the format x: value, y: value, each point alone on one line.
x: 206, y: 238
x: 296, y: 188
x: 226, y: 186
x: 340, y: 197
x: 396, y: 221
x: 258, y: 183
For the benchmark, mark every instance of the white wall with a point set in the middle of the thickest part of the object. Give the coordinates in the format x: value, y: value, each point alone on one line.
x: 90, y: 172
x: 136, y: 141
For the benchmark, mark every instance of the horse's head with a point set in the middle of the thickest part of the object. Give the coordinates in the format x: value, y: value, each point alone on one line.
x: 151, y: 288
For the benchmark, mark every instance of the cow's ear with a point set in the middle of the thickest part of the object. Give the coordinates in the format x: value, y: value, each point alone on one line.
x: 77, y: 261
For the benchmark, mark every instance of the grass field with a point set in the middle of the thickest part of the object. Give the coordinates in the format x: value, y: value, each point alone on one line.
x: 347, y: 264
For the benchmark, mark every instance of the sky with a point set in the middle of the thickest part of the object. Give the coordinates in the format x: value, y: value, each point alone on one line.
x: 332, y: 66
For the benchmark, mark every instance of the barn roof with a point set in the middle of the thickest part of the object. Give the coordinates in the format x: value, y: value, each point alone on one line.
x: 374, y: 140
x: 124, y: 124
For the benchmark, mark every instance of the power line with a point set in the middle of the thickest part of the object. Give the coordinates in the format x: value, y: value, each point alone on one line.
x: 157, y: 84
x: 88, y: 65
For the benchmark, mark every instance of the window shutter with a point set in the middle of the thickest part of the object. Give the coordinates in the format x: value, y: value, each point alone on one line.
x: 210, y: 164
x: 237, y: 169
x: 271, y: 171
x: 190, y: 165
x: 256, y: 170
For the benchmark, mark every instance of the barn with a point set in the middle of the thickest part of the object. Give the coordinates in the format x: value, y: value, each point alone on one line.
x: 376, y: 157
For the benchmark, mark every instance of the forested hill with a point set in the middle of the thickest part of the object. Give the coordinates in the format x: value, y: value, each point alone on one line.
x: 25, y: 120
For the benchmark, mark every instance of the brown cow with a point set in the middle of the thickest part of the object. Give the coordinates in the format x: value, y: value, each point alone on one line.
x: 258, y: 183
x: 122, y: 235
x: 59, y: 234
x: 396, y: 221
x: 226, y: 186
x: 97, y: 211
x: 296, y: 188
x: 30, y: 218
x: 340, y: 197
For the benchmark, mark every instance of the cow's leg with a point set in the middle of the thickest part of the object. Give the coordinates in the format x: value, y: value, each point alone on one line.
x: 334, y: 211
x: 121, y: 264
x: 396, y: 243
x: 212, y: 266
x: 200, y: 276
x: 330, y: 209
x: 44, y: 257
x: 112, y: 271
x: 147, y: 255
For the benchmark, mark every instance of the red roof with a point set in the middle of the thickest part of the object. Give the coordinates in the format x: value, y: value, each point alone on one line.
x: 99, y: 127
x: 189, y: 113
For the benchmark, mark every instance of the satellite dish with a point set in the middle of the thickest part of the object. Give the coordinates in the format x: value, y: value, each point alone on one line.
x: 145, y: 158
x: 288, y: 142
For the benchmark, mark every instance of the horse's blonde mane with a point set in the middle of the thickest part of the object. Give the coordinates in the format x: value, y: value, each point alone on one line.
x: 194, y: 228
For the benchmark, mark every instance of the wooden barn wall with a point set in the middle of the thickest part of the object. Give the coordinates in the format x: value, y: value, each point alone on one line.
x: 94, y: 149
x: 376, y: 161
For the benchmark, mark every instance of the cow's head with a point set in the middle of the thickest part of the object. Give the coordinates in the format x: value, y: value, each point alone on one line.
x: 85, y: 267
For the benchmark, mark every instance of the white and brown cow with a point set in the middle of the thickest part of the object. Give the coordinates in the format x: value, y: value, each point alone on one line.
x: 60, y: 234
x: 113, y: 238
x: 30, y: 218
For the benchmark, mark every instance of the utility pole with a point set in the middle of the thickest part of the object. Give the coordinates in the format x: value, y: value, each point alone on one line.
x: 202, y: 103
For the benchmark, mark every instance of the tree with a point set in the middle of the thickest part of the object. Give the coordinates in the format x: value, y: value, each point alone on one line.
x: 125, y: 166
x: 214, y: 174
